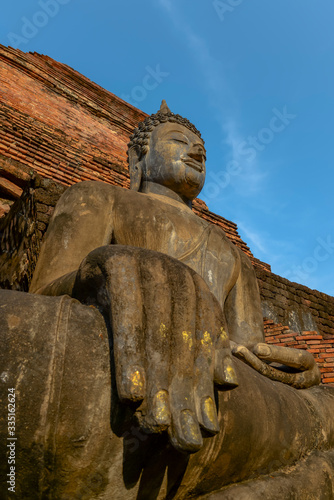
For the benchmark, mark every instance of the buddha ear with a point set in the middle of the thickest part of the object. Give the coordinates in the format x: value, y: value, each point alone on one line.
x: 135, y: 169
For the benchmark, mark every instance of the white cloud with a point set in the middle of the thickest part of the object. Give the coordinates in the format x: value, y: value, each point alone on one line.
x: 223, y: 101
x: 210, y: 66
x: 253, y: 239
x: 277, y: 252
x: 251, y: 173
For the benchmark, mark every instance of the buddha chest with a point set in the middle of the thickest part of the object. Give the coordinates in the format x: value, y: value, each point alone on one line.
x: 146, y: 222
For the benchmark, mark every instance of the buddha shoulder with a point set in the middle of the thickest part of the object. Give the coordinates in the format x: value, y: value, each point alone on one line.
x: 89, y: 195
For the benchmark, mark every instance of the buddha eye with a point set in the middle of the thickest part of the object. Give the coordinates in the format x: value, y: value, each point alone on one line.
x: 182, y: 141
x: 176, y: 137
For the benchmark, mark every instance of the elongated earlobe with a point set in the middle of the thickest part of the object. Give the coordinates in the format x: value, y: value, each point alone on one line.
x: 135, y: 169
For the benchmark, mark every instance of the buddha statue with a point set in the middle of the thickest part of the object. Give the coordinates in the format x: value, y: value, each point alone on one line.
x: 193, y: 401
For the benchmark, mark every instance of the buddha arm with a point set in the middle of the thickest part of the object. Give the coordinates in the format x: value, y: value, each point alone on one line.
x: 243, y: 307
x: 245, y: 324
x: 82, y: 221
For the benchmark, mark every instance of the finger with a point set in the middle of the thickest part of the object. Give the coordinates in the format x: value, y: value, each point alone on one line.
x: 213, y: 336
x: 157, y: 324
x: 296, y: 358
x: 307, y: 378
x: 224, y: 367
x: 206, y: 410
x: 241, y: 352
x: 301, y: 380
x: 207, y: 330
x: 126, y: 318
x: 184, y: 432
x: 108, y: 278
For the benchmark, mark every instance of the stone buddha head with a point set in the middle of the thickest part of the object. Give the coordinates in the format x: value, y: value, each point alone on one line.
x: 167, y: 156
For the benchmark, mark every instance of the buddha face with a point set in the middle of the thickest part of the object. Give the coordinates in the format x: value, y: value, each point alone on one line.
x: 176, y: 160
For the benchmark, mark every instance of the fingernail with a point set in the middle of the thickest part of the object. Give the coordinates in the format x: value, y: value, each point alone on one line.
x: 209, y: 415
x: 161, y: 411
x: 223, y: 334
x: 190, y: 429
x: 206, y: 341
x: 262, y: 350
x: 184, y: 433
x: 230, y: 377
x: 136, y: 383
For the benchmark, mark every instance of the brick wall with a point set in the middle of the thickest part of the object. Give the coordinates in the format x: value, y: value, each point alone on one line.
x: 322, y: 349
x: 294, y: 305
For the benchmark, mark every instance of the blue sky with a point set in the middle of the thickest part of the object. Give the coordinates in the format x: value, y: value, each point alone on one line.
x: 256, y: 77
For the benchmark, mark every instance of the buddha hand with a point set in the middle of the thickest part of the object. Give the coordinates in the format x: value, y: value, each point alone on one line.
x: 298, y: 367
x: 168, y: 339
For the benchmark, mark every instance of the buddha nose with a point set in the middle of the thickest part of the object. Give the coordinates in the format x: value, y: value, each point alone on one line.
x: 196, y: 152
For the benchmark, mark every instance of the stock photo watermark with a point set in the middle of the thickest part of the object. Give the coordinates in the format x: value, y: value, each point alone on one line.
x: 322, y: 252
x: 31, y: 26
x: 249, y: 149
x: 11, y: 441
x: 152, y: 79
x: 227, y: 6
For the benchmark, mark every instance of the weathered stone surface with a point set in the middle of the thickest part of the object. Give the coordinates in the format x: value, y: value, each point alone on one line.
x: 318, y: 468
x: 75, y: 440
x: 19, y: 243
x: 55, y: 354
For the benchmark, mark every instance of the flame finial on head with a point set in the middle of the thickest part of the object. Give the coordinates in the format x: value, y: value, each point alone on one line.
x: 164, y: 108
